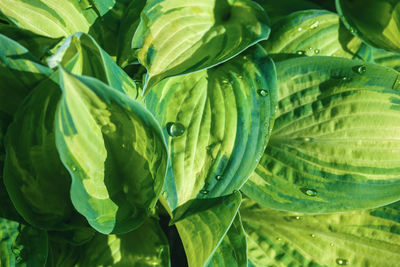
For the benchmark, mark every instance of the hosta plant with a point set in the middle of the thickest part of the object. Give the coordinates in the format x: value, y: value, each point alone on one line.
x: 204, y: 133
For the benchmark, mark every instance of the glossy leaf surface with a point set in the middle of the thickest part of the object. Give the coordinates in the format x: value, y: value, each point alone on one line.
x: 357, y: 238
x: 206, y: 223
x: 217, y: 123
x: 114, y: 151
x: 175, y: 37
x: 335, y: 142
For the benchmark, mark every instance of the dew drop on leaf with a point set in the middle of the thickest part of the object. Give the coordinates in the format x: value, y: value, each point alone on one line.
x: 175, y: 129
x: 74, y: 169
x: 361, y: 69
x: 314, y: 25
x: 300, y: 29
x: 341, y: 261
x: 301, y: 52
x: 204, y: 191
x: 297, y: 217
x: 262, y: 92
x: 317, y: 51
x: 312, y: 235
x: 309, y: 192
x: 218, y: 177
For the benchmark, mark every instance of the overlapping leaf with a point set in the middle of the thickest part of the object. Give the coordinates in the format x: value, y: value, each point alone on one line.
x: 82, y: 55
x: 203, y: 227
x: 217, y: 123
x: 19, y: 73
x: 146, y: 246
x: 232, y: 251
x: 114, y: 151
x: 176, y: 37
x: 22, y: 245
x: 357, y: 238
x: 335, y: 142
x: 278, y: 9
x: 311, y: 32
x: 377, y: 22
x: 32, y: 166
x: 387, y: 58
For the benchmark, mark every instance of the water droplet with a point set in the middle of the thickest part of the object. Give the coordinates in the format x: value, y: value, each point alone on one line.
x: 175, y: 129
x: 310, y: 48
x: 317, y: 51
x: 278, y: 238
x: 262, y: 92
x: 361, y: 69
x: 225, y: 81
x: 345, y: 78
x: 301, y: 52
x: 331, y: 244
x: 312, y: 235
x: 297, y: 217
x: 300, y: 29
x: 341, y: 261
x: 204, y: 191
x: 308, y: 139
x: 309, y: 192
x: 74, y: 169
x: 244, y: 57
x: 218, y: 177
x: 314, y: 25
x: 123, y: 146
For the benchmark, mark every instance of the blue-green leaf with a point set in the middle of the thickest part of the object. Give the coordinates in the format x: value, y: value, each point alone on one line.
x: 335, y: 142
x: 175, y: 37
x: 114, y: 150
x: 204, y: 225
x: 356, y: 238
x: 217, y: 124
x: 19, y: 73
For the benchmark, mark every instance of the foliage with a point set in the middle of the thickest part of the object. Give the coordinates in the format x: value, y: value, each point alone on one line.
x: 204, y: 133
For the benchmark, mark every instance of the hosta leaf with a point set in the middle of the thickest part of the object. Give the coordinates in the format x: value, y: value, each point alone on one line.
x: 204, y: 227
x: 311, y: 32
x: 36, y: 180
x: 335, y: 142
x: 7, y: 209
x: 129, y: 23
x: 114, y: 151
x: 22, y: 245
x: 278, y: 9
x: 386, y: 58
x: 377, y: 22
x: 175, y: 37
x: 19, y: 73
x: 216, y: 122
x: 38, y: 45
x: 357, y: 238
x: 145, y: 246
x: 232, y: 251
x: 82, y: 55
x: 49, y: 17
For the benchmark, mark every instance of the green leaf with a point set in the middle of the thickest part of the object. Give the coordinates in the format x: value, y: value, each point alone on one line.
x: 278, y: 9
x: 216, y: 122
x: 204, y: 226
x: 357, y: 238
x: 386, y: 58
x: 233, y: 249
x: 311, y: 33
x: 335, y: 142
x: 129, y: 23
x: 376, y: 22
x: 22, y: 245
x: 82, y: 55
x: 145, y: 246
x: 114, y: 151
x: 50, y: 18
x: 176, y: 38
x: 19, y: 73
x: 36, y: 180
x: 38, y: 45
